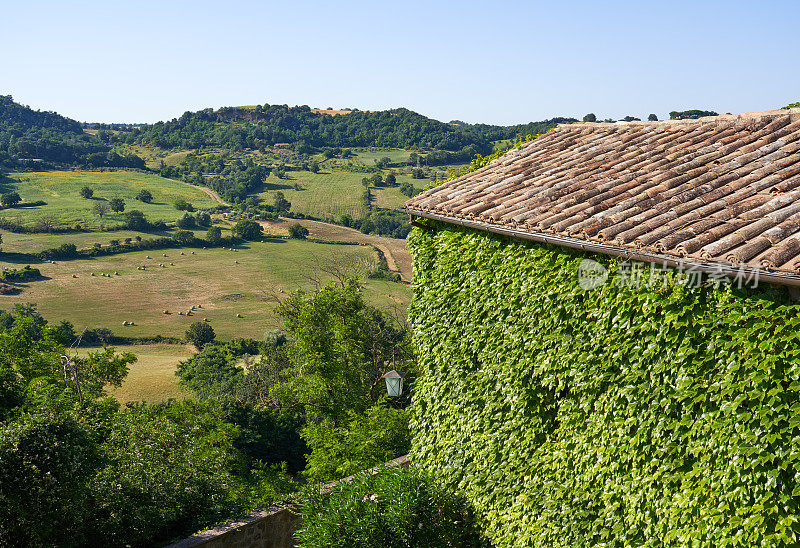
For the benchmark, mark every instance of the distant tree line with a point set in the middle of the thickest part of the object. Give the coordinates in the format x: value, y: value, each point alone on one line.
x: 29, y: 137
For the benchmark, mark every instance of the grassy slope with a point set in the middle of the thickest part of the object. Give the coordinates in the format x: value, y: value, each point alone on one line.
x: 32, y: 243
x: 396, y: 155
x: 332, y: 193
x: 210, y: 278
x: 60, y: 189
x: 152, y: 378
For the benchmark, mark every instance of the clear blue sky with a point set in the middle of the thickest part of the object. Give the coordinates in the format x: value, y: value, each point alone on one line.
x: 495, y: 62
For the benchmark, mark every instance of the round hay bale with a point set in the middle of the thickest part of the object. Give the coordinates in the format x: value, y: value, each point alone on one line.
x: 238, y: 315
x: 171, y: 264
x: 166, y: 312
x: 125, y: 323
x: 165, y: 254
x: 206, y: 320
x: 192, y: 252
x: 182, y: 253
x: 74, y: 275
x: 199, y: 306
x: 116, y: 273
x: 236, y: 262
x: 148, y: 257
x: 91, y: 274
x: 180, y: 313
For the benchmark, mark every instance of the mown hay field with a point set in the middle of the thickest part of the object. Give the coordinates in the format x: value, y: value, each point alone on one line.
x: 152, y: 378
x: 223, y: 283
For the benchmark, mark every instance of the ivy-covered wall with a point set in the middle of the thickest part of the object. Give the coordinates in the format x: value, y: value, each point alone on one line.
x: 622, y: 416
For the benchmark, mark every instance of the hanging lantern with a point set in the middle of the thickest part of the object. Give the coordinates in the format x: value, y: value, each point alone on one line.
x: 394, y: 383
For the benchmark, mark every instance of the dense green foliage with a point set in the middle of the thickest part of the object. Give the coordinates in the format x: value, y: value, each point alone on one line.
x: 793, y: 105
x: 320, y: 381
x: 691, y: 114
x: 399, y: 507
x: 46, y: 138
x: 78, y: 470
x: 265, y: 125
x: 622, y: 416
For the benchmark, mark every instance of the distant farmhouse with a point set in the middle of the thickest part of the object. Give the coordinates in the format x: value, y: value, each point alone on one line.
x: 608, y: 329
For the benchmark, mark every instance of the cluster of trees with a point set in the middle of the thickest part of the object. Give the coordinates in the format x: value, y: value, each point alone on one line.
x: 321, y: 380
x: 32, y: 135
x: 384, y: 222
x: 233, y: 179
x: 76, y: 468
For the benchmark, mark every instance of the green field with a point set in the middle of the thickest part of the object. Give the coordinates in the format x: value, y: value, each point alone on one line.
x: 331, y: 194
x: 210, y: 278
x: 60, y: 189
x: 152, y: 378
x: 396, y: 155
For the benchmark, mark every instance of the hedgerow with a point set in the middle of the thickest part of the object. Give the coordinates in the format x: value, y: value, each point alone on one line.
x: 651, y: 415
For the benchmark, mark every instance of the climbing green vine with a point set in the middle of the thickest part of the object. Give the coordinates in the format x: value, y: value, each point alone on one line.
x: 658, y: 415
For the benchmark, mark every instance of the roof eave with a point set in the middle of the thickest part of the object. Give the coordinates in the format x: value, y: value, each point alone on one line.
x: 716, y: 268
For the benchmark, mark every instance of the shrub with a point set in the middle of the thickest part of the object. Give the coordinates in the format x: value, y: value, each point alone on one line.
x: 184, y: 237
x: 87, y: 192
x: 408, y: 189
x: 187, y: 221
x: 10, y: 199
x: 398, y: 507
x: 117, y: 205
x: 135, y: 220
x: 214, y: 235
x: 248, y: 229
x: 183, y: 205
x: 200, y: 334
x: 378, y: 436
x: 203, y: 219
x: 298, y: 231
x: 144, y: 196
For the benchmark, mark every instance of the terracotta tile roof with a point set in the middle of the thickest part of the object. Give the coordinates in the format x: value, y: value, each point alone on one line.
x: 723, y: 189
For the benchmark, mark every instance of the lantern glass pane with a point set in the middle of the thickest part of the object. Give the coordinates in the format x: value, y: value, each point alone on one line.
x: 394, y: 387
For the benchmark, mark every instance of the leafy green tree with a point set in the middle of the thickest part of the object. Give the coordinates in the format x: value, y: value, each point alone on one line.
x: 200, y: 334
x: 10, y: 199
x: 339, y: 348
x: 379, y: 435
x: 203, y: 219
x: 183, y: 237
x: 280, y: 203
x: 46, y: 464
x: 417, y: 173
x: 182, y: 205
x: 248, y: 229
x: 187, y: 221
x: 591, y: 117
x: 391, y: 179
x: 691, y: 114
x: 408, y: 189
x: 135, y: 220
x: 87, y: 192
x: 653, y: 118
x: 117, y: 205
x: 100, y: 209
x: 298, y: 231
x: 145, y: 196
x: 214, y: 235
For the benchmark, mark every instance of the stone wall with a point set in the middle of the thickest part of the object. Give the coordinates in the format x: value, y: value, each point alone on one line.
x: 271, y: 528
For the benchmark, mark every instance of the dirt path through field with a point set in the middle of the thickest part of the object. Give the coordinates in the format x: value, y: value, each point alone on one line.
x: 396, y: 252
x: 207, y: 191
